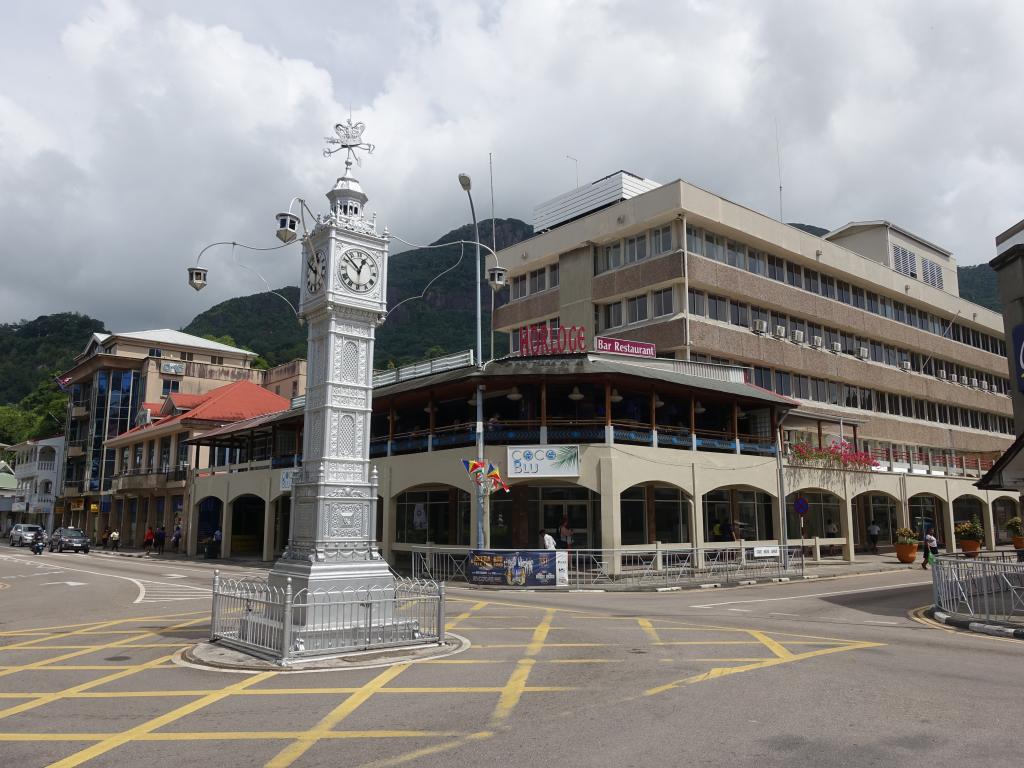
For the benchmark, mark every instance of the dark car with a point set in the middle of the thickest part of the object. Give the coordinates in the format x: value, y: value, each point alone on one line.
x: 69, y: 538
x: 25, y: 533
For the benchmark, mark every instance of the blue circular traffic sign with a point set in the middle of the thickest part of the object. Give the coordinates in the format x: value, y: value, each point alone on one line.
x: 800, y: 506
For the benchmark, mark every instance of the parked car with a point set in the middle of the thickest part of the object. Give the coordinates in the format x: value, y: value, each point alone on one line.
x: 69, y: 538
x: 24, y: 533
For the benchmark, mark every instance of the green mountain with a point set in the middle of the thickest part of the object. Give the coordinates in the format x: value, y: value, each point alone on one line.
x: 32, y: 352
x: 442, y: 321
x: 978, y: 284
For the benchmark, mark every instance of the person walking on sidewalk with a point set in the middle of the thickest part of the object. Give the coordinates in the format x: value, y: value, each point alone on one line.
x: 873, y: 530
x: 176, y: 538
x: 115, y: 540
x: 147, y: 542
x: 931, y: 548
x: 158, y: 540
x: 105, y: 537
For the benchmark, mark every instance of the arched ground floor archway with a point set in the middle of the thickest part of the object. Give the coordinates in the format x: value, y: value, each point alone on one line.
x: 209, y: 520
x: 655, y: 512
x: 245, y: 527
x: 926, y: 513
x: 880, y: 509
x: 1003, y: 509
x: 732, y: 513
x: 823, y: 518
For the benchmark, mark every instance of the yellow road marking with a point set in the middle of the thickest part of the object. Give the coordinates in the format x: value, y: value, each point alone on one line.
x: 477, y: 606
x: 648, y: 627
x: 49, y: 697
x: 516, y: 684
x: 772, y: 645
x: 425, y: 751
x: 300, y: 746
x: 229, y: 735
x: 158, y: 722
x: 725, y: 671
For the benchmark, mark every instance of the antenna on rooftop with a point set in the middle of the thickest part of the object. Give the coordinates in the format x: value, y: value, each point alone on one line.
x: 570, y: 157
x: 778, y: 158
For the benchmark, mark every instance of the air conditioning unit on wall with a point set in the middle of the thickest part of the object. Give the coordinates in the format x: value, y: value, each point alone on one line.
x: 780, y: 331
x: 836, y: 347
x: 974, y: 383
x: 984, y: 385
x: 905, y: 365
x: 954, y: 378
x: 862, y: 353
x: 815, y: 341
x: 760, y: 326
x: 943, y: 375
x: 797, y: 337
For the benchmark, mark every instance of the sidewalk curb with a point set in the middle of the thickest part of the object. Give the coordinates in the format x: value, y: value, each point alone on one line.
x: 996, y: 630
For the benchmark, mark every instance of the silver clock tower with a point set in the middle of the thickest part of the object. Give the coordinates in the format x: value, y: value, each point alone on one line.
x: 331, y: 544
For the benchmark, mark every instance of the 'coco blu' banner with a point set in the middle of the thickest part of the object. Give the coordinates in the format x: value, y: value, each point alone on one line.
x: 543, y: 461
x: 518, y: 567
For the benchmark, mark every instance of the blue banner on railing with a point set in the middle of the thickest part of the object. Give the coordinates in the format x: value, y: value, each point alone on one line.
x: 519, y: 567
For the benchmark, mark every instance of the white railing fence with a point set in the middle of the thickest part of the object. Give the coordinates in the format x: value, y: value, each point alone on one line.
x: 273, y: 623
x: 662, y: 566
x: 987, y: 586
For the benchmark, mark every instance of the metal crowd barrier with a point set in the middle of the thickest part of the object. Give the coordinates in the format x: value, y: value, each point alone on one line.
x: 988, y: 586
x: 662, y: 566
x: 273, y: 623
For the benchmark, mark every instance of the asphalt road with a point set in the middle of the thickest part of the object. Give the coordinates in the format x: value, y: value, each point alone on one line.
x: 830, y: 672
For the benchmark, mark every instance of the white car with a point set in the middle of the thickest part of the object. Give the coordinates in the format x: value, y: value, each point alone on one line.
x: 25, y: 533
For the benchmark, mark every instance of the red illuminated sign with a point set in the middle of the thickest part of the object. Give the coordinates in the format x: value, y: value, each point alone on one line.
x: 540, y: 340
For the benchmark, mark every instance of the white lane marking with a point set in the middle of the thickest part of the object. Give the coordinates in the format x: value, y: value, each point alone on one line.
x: 173, y: 576
x: 815, y: 594
x: 872, y: 621
x: 68, y: 583
x: 783, y: 614
x: 741, y: 610
x: 181, y: 591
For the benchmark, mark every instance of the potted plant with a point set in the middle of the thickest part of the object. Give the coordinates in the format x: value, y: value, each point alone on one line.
x: 969, y: 535
x: 1015, y: 527
x: 906, y: 545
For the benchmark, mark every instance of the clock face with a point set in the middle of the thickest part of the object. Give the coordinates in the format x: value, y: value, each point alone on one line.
x: 358, y: 270
x: 316, y: 268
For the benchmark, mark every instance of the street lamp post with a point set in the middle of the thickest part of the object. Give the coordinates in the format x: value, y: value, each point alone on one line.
x: 481, y: 530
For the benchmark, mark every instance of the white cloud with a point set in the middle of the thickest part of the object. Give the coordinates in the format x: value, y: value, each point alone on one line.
x: 139, y: 135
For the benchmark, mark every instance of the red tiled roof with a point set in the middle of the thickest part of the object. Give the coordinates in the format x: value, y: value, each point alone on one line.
x: 187, y: 401
x: 232, y: 402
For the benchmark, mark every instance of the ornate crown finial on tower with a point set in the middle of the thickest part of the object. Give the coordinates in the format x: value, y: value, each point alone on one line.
x: 349, y: 138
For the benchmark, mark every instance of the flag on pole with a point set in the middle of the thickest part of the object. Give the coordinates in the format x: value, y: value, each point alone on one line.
x: 475, y: 469
x: 63, y: 382
x: 495, y: 477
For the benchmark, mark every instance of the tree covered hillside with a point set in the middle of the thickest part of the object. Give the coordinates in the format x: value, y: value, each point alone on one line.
x: 444, y: 320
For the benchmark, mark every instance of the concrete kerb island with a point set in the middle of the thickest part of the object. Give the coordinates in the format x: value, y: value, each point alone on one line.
x: 981, y: 627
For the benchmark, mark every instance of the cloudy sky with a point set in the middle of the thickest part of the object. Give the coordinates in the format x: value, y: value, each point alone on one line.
x: 134, y: 133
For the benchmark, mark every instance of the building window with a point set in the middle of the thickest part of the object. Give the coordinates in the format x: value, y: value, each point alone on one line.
x: 538, y: 280
x: 694, y: 241
x: 904, y: 261
x: 718, y: 308
x: 187, y: 356
x: 696, y: 303
x: 553, y: 276
x: 843, y: 291
x: 636, y: 249
x: 757, y: 262
x: 858, y: 298
x: 155, y: 352
x: 777, y: 268
x: 931, y: 273
x: 662, y: 301
x: 736, y: 255
x: 215, y: 360
x: 738, y: 314
x: 609, y: 257
x: 713, y: 247
x: 811, y: 281
x: 763, y: 377
x: 637, y: 308
x: 793, y: 275
x: 167, y: 386
x: 611, y: 315
x: 783, y: 383
x: 518, y: 287
x: 828, y: 287
x: 661, y: 239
